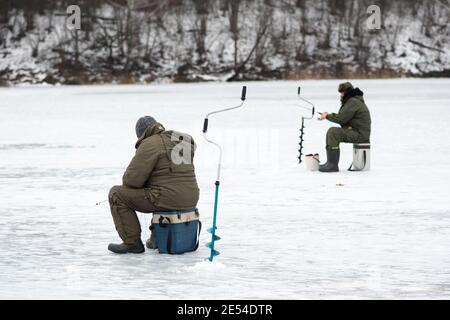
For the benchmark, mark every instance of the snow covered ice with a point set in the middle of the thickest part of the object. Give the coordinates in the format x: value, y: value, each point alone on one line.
x: 286, y: 233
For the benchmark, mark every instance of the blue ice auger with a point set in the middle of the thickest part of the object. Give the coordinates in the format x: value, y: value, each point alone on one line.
x: 313, y: 110
x: 213, y: 229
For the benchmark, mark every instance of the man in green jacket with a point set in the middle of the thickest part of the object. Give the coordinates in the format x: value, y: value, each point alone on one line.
x: 161, y: 176
x: 354, y: 119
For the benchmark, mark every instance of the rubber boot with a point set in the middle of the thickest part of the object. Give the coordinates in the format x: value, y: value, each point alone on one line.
x: 332, y: 161
x: 137, y: 247
x: 151, y: 242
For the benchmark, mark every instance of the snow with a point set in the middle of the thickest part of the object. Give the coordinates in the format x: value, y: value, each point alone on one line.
x: 286, y: 233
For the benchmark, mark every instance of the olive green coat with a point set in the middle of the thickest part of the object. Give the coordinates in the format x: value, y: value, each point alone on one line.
x: 354, y: 115
x: 168, y: 184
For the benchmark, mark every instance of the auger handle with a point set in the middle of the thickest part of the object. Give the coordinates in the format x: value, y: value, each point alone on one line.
x: 244, y: 93
x: 205, y: 125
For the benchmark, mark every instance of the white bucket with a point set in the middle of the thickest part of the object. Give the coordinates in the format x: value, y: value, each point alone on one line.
x: 361, y: 157
x: 312, y: 162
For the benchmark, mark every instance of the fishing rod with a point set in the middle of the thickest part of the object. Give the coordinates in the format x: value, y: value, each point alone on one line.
x: 313, y: 111
x: 213, y: 229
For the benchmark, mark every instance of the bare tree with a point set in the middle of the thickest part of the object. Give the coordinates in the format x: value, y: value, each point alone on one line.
x: 202, y: 10
x: 264, y: 19
x: 234, y: 26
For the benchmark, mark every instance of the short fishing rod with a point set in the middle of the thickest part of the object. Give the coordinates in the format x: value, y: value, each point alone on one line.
x: 213, y: 229
x: 99, y: 203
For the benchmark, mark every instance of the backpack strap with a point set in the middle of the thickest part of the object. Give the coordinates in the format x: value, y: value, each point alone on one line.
x: 198, y: 235
x: 169, y: 240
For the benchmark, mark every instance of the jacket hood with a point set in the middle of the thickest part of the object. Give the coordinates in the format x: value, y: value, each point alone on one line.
x: 157, y: 128
x: 353, y: 93
x: 356, y: 93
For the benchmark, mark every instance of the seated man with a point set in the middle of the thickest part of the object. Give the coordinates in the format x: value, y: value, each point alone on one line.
x: 161, y: 176
x: 355, y: 121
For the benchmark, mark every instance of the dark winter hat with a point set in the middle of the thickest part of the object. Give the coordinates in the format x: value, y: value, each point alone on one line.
x: 345, y: 86
x: 143, y: 123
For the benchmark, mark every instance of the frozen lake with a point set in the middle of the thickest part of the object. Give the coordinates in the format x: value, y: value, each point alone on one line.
x: 286, y: 233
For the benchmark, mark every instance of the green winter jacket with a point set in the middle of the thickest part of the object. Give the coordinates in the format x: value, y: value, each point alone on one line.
x: 168, y: 184
x: 354, y: 115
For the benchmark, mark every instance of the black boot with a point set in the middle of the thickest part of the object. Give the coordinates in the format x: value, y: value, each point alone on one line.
x: 332, y: 161
x: 151, y: 243
x: 137, y: 247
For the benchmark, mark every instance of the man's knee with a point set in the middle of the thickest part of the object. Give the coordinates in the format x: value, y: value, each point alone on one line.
x: 333, y: 132
x: 113, y: 193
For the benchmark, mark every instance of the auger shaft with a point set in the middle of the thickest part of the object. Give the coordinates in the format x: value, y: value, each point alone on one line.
x: 300, y: 150
x: 214, y: 237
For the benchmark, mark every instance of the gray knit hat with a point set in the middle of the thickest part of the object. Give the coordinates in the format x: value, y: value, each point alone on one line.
x: 143, y: 123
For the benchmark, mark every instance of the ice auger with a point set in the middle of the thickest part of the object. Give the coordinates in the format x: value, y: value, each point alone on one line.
x: 213, y: 229
x: 302, y: 130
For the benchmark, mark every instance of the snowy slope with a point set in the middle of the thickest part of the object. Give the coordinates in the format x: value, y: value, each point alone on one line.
x: 286, y: 233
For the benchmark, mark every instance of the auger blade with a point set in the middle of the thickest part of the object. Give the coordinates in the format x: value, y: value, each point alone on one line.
x: 212, y: 230
x: 214, y: 253
x: 211, y: 244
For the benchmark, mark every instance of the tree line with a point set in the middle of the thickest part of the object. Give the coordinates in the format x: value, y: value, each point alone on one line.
x: 194, y: 40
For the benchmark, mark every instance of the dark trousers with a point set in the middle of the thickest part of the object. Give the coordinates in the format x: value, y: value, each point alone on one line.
x: 337, y: 135
x: 124, y: 203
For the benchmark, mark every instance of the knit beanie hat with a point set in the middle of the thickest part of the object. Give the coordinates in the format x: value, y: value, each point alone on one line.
x: 143, y: 123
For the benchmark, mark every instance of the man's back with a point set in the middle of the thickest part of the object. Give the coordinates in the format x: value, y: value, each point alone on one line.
x: 163, y: 170
x: 361, y: 120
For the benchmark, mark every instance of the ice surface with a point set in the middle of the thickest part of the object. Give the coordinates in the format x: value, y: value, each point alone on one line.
x: 286, y: 233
